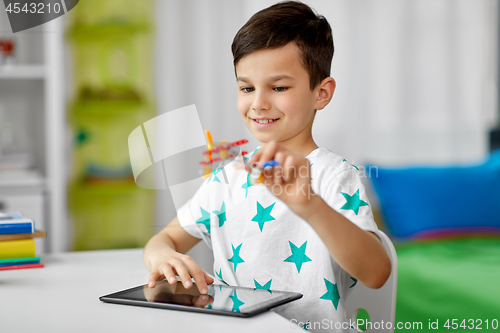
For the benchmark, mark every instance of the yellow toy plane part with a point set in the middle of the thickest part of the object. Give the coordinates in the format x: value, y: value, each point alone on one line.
x: 207, y: 168
x: 209, y: 144
x: 209, y: 137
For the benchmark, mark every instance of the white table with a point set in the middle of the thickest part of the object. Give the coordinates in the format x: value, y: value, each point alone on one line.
x: 64, y: 295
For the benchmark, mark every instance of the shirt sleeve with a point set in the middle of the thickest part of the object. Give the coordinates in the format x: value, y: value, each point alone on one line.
x: 347, y: 195
x: 194, y: 215
x: 199, y: 215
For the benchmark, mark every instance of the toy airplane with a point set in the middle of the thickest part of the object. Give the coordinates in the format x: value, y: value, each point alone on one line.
x: 226, y: 151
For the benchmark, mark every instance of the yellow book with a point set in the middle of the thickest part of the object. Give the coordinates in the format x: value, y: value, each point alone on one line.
x: 20, y: 248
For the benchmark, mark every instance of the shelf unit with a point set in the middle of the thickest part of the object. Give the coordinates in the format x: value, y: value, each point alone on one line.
x: 112, y: 93
x: 22, y: 72
x: 32, y: 99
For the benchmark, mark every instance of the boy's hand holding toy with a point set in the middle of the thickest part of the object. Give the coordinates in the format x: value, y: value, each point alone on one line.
x: 289, y: 179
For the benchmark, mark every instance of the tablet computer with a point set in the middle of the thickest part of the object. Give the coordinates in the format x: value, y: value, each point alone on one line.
x: 221, y: 299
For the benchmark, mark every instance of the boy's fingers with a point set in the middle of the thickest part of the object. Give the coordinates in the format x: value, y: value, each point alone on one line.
x: 288, y: 168
x: 278, y: 169
x: 199, y: 278
x: 255, y: 157
x: 197, y: 273
x: 208, y: 279
x: 278, y: 175
x: 269, y: 152
x: 169, y: 274
x: 153, y: 277
x: 280, y: 158
x: 183, y: 273
x: 268, y: 176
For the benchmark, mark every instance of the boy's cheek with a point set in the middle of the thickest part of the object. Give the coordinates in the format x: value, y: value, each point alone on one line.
x: 242, y: 107
x: 245, y: 118
x: 244, y: 102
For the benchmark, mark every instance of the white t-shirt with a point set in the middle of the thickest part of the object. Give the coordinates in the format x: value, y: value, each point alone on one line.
x: 259, y: 242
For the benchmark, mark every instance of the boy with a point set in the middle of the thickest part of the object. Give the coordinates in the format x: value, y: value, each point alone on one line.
x: 309, y: 227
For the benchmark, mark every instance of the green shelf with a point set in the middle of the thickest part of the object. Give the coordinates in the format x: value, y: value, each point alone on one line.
x: 110, y: 216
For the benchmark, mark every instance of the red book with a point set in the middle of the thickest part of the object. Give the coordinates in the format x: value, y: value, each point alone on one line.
x: 4, y: 268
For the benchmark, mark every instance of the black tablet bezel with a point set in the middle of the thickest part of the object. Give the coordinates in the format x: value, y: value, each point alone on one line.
x: 282, y: 298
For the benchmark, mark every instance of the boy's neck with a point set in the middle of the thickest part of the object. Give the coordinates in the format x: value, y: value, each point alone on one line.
x: 302, y: 147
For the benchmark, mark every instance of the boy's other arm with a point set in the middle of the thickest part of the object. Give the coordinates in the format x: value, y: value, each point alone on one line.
x: 164, y: 256
x: 359, y: 252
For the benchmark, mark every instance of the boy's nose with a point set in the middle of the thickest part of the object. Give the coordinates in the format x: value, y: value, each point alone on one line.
x: 260, y: 102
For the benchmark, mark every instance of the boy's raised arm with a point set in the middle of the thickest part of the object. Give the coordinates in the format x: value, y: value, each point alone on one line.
x: 164, y: 256
x: 359, y: 252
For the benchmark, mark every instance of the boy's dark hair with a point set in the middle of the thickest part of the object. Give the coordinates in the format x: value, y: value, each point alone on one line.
x: 283, y: 23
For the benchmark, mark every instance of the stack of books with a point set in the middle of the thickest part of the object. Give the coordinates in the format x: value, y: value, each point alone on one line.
x: 17, y: 242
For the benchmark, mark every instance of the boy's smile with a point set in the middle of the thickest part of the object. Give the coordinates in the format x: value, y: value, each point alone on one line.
x: 275, y: 99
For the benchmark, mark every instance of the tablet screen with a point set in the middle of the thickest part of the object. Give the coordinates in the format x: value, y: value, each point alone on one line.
x: 220, y: 297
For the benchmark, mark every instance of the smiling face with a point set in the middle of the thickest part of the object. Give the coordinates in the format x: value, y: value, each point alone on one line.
x: 275, y: 99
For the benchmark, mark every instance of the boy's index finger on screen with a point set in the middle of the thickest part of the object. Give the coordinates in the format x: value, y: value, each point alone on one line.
x: 208, y: 278
x: 199, y: 277
x: 153, y: 277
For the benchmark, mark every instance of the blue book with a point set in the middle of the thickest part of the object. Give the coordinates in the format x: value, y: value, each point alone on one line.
x: 16, y: 223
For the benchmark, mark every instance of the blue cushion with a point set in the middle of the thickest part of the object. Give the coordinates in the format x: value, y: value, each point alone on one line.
x: 422, y: 200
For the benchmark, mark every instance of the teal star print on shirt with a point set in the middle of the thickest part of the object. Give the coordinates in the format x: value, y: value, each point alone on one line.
x: 353, y: 202
x: 221, y: 214
x: 354, y: 280
x: 267, y: 286
x: 298, y: 256
x: 332, y: 293
x: 219, y: 275
x: 236, y: 259
x: 204, y: 219
x: 247, y: 185
x: 214, y: 174
x: 263, y: 215
x: 236, y: 302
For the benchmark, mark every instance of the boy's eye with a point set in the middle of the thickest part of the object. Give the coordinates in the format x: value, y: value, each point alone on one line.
x: 280, y: 89
x: 246, y: 89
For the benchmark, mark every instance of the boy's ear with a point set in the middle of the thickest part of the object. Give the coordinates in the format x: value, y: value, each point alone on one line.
x: 325, y: 93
